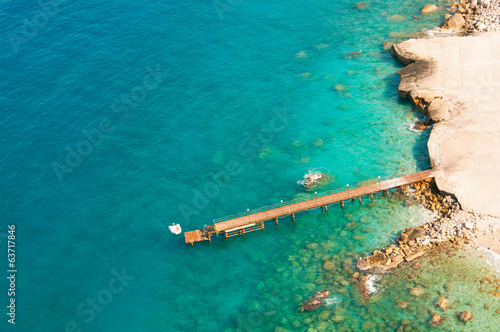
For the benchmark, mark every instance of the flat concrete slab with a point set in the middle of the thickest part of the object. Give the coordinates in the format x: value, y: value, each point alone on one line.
x: 467, y: 70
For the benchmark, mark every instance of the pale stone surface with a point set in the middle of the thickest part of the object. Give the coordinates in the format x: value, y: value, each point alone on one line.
x: 467, y: 71
x: 439, y: 109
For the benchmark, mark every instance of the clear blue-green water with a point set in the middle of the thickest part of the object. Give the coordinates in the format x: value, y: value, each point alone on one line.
x: 122, y: 117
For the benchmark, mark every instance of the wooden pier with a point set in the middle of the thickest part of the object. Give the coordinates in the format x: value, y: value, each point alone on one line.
x: 254, y: 220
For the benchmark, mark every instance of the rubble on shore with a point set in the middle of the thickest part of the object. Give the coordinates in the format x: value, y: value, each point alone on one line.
x: 451, y: 226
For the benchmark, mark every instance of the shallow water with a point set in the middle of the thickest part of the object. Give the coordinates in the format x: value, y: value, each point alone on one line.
x: 246, y: 102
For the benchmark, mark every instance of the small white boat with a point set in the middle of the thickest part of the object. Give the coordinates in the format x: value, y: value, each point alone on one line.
x: 175, y: 229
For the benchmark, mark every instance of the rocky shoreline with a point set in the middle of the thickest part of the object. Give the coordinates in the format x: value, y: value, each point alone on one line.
x: 452, y: 225
x: 477, y: 15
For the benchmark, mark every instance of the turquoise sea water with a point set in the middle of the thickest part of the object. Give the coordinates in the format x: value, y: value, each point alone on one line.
x: 185, y: 111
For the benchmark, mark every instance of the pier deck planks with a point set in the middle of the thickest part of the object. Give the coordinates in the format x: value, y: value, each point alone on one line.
x: 196, y: 236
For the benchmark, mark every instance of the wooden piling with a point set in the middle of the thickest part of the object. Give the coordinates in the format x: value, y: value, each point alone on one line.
x: 359, y: 199
x: 293, y: 217
x: 277, y: 223
x: 342, y: 203
x: 326, y: 208
x: 371, y: 197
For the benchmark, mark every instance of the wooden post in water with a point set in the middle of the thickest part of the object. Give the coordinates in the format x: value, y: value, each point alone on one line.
x: 326, y: 208
x: 342, y: 203
x: 262, y: 224
x: 359, y: 199
x: 293, y: 217
x: 371, y: 197
x: 388, y: 193
x: 277, y: 223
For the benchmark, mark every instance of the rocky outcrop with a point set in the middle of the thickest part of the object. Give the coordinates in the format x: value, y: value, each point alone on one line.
x: 416, y: 70
x: 477, y: 15
x: 413, y: 242
x: 315, y: 301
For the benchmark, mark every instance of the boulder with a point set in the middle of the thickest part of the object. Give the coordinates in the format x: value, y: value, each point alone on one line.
x: 395, y: 261
x: 315, y: 301
x: 484, y: 3
x: 403, y: 237
x: 466, y: 316
x: 416, y: 233
x: 439, y: 109
x: 456, y: 21
x: 429, y: 9
x: 414, y: 255
x: 436, y: 320
x: 442, y: 303
x: 395, y: 18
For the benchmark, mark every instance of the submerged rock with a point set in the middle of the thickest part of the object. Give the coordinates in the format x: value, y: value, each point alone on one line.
x: 314, y: 179
x: 387, y: 45
x: 301, y: 54
x: 395, y: 18
x: 361, y: 5
x: 329, y: 265
x: 417, y: 291
x: 436, y: 320
x: 353, y: 55
x: 363, y: 290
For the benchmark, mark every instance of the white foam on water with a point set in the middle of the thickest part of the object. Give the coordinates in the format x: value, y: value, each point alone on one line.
x: 491, y: 258
x: 332, y: 301
x: 370, y: 283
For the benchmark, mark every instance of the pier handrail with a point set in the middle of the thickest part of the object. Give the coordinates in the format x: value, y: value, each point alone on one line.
x: 318, y: 196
